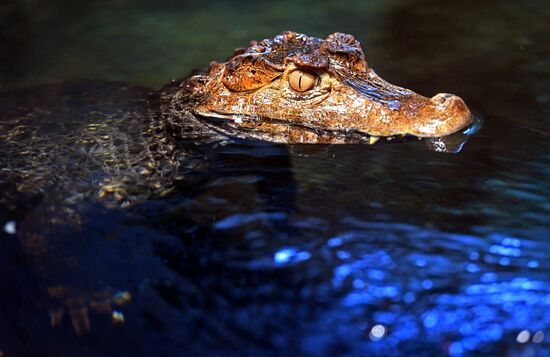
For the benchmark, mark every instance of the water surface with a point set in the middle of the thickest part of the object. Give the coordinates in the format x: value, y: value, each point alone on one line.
x: 313, y: 250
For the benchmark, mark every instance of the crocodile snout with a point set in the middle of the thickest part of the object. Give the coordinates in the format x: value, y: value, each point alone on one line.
x: 443, y: 114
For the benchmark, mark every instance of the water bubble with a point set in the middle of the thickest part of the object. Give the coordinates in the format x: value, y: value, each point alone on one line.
x: 342, y: 254
x: 511, y: 242
x: 430, y: 319
x: 340, y: 273
x: 303, y: 256
x: 420, y: 262
x: 386, y: 291
x: 538, y: 337
x: 523, y: 336
x: 507, y: 251
x: 456, y: 349
x: 10, y: 227
x: 472, y: 268
x: 359, y: 284
x: 334, y: 242
x: 377, y: 332
x: 409, y: 297
x: 285, y: 255
x: 427, y: 284
x: 533, y: 264
x: 121, y: 297
x: 466, y: 329
x: 489, y: 278
x: 117, y: 317
x: 493, y: 332
x: 376, y: 274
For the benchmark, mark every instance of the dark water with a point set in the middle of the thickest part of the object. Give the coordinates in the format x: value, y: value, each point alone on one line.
x: 340, y: 250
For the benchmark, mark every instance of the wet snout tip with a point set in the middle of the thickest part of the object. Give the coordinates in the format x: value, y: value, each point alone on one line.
x: 447, y: 101
x: 443, y: 115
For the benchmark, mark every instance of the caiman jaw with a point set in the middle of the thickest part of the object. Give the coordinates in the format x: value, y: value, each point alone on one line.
x: 389, y: 110
x: 259, y: 93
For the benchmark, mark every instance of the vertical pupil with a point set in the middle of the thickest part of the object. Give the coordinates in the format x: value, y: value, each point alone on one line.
x: 301, y: 81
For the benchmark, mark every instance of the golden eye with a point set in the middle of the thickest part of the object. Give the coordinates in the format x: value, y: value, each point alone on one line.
x: 301, y: 81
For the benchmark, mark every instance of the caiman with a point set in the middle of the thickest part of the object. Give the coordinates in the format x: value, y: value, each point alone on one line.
x: 117, y: 145
x: 111, y: 139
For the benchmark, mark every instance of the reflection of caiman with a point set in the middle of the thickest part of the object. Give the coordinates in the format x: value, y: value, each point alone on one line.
x: 119, y: 145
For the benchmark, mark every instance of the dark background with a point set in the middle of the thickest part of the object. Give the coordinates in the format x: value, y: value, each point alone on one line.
x: 449, y: 252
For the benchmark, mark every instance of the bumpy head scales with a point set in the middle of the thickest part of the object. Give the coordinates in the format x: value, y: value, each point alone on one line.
x: 295, y: 88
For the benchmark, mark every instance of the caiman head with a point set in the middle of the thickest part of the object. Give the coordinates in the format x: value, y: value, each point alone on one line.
x: 299, y: 89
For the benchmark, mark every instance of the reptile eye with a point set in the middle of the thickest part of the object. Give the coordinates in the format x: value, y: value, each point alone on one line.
x: 301, y: 81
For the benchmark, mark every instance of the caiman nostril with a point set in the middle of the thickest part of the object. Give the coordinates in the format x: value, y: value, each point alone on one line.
x: 443, y: 97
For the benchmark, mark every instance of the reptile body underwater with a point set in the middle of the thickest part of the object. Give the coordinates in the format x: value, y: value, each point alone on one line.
x: 116, y: 145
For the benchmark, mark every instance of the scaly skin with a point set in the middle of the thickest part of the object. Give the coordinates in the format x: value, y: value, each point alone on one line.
x: 67, y: 147
x: 348, y: 103
x: 122, y: 144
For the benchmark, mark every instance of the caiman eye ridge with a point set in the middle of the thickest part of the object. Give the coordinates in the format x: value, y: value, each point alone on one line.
x: 301, y: 81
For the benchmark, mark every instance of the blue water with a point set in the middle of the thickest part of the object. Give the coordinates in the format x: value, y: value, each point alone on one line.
x: 305, y: 250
